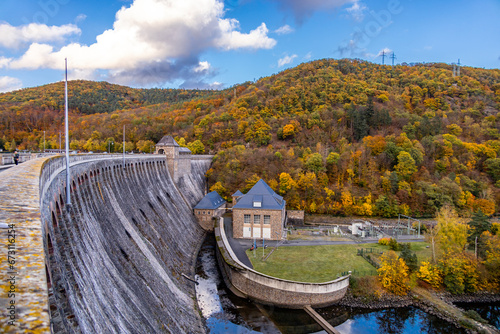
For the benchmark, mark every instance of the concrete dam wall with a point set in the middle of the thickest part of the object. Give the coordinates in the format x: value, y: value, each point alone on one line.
x: 120, y: 260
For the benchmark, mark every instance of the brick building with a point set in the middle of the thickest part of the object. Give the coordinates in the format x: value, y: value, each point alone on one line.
x: 212, y: 205
x: 259, y: 213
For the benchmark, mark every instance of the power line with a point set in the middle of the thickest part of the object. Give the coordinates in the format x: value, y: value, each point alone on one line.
x: 393, y: 56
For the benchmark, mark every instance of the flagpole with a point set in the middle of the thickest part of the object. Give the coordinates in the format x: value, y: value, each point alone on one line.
x: 68, y: 185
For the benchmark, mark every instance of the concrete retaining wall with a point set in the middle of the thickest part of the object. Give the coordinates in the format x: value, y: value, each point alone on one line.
x: 116, y: 260
x: 265, y: 289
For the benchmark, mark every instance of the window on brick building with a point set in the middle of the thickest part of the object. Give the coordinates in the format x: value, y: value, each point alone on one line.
x: 267, y: 219
x: 246, y: 219
x: 256, y: 219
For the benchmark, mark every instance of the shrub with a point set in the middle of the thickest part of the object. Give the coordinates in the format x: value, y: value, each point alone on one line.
x: 466, y: 323
x: 394, y: 245
x: 474, y: 315
x: 383, y: 241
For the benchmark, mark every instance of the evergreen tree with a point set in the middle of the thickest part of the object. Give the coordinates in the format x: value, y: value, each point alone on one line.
x: 408, y: 256
x: 479, y: 224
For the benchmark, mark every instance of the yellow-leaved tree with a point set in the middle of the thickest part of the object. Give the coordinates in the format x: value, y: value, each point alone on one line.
x: 431, y: 274
x: 394, y: 274
x: 452, y: 232
x: 492, y: 256
x: 459, y: 269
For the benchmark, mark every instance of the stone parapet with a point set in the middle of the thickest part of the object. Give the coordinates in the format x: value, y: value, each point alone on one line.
x: 24, y: 294
x: 264, y: 289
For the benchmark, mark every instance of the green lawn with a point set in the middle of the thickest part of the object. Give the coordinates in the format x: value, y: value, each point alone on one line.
x: 321, y: 263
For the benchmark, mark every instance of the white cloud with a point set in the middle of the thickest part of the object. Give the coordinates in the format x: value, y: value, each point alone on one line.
x: 4, y: 62
x: 308, y: 56
x: 356, y: 11
x: 384, y: 51
x: 84, y: 75
x: 233, y: 39
x: 203, y: 66
x: 8, y: 84
x: 286, y: 29
x: 15, y: 37
x: 152, y: 31
x: 303, y: 9
x: 286, y: 60
x: 80, y: 17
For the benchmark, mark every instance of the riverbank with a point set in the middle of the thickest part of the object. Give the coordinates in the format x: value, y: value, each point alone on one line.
x: 439, y: 304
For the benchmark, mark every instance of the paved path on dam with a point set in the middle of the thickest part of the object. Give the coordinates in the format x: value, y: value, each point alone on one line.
x: 23, y: 300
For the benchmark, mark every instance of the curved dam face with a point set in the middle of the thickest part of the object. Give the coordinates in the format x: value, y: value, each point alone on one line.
x: 120, y: 260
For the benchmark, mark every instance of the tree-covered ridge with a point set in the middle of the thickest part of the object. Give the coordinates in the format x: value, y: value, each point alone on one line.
x: 90, y: 97
x: 350, y: 137
x: 332, y: 136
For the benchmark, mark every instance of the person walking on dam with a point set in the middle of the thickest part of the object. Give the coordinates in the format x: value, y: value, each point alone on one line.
x: 16, y: 158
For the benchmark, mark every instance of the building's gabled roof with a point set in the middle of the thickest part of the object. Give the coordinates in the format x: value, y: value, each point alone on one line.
x: 167, y: 141
x: 237, y: 194
x: 261, y: 192
x: 211, y: 200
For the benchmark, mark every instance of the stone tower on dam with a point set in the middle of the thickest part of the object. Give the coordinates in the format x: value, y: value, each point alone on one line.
x: 178, y: 158
x: 120, y: 260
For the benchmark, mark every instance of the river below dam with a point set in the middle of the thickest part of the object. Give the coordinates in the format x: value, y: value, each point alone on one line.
x: 226, y: 313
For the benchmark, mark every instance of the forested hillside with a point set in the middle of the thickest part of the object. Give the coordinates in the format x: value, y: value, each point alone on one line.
x: 345, y: 137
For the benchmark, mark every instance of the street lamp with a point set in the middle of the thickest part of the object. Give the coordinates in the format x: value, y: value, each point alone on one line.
x: 109, y: 145
x: 44, y: 142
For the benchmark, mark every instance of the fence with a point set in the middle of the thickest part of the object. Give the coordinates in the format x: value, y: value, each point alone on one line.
x: 365, y: 253
x: 360, y: 273
x: 8, y: 158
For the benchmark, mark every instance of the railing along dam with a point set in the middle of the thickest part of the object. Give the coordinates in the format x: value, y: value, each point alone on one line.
x: 117, y: 261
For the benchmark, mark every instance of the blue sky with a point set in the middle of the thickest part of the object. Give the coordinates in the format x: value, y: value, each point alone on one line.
x: 215, y: 44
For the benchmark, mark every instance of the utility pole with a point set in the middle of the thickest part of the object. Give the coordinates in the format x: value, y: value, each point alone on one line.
x: 383, y: 57
x: 393, y: 56
x: 123, y: 146
x: 458, y: 67
x: 44, y: 142
x: 68, y: 195
x: 59, y: 141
